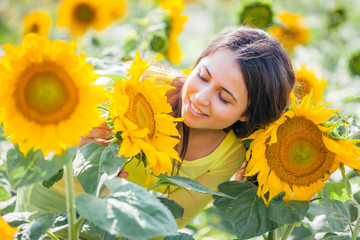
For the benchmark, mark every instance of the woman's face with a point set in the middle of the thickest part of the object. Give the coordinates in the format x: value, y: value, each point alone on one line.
x: 214, y: 95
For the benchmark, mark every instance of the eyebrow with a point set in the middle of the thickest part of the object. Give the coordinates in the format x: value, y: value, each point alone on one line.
x: 207, y: 70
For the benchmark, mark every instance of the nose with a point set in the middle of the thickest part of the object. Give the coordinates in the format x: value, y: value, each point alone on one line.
x: 202, y: 97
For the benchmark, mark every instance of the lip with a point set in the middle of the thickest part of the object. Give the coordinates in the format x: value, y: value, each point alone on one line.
x: 193, y: 112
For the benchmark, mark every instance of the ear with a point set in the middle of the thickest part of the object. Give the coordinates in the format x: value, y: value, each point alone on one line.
x: 244, y: 118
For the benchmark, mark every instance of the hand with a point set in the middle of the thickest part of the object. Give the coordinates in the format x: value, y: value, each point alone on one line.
x: 101, y: 135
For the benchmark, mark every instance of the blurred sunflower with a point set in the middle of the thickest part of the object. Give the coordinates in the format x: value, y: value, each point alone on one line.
x: 6, y: 232
x: 292, y: 31
x: 256, y: 14
x: 118, y: 9
x: 307, y: 81
x: 81, y: 15
x: 296, y: 154
x: 140, y: 113
x: 176, y: 24
x: 354, y: 64
x: 37, y: 22
x: 50, y: 101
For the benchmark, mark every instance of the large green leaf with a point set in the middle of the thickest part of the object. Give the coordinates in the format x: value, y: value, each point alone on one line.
x: 247, y: 212
x: 129, y: 211
x: 95, y: 164
x: 287, y: 212
x: 357, y: 197
x: 38, y: 227
x: 32, y: 168
x: 231, y: 188
x: 181, y: 236
x: 335, y: 211
x: 176, y: 210
x: 188, y: 184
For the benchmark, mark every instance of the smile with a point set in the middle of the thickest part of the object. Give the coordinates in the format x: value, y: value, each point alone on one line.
x: 195, y: 109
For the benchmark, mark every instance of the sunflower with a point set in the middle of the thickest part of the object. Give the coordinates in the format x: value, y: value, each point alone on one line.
x: 81, y: 15
x: 256, y: 14
x: 307, y: 81
x: 140, y: 114
x: 6, y: 232
x: 118, y: 9
x: 49, y: 100
x: 37, y: 22
x: 292, y: 31
x: 176, y: 24
x: 296, y: 154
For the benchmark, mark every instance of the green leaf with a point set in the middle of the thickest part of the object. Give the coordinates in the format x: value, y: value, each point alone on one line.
x: 176, y: 210
x: 32, y: 168
x: 231, y: 188
x: 287, y: 212
x: 333, y: 236
x: 188, y: 184
x: 16, y: 218
x: 335, y: 211
x: 95, y: 164
x: 181, y: 236
x: 57, y: 177
x: 337, y: 190
x: 247, y: 212
x: 129, y: 211
x: 38, y: 227
x: 357, y: 197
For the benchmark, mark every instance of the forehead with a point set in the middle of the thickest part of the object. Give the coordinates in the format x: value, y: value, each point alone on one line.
x: 224, y: 68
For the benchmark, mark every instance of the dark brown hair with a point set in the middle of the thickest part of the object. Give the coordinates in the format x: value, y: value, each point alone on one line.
x: 268, y: 74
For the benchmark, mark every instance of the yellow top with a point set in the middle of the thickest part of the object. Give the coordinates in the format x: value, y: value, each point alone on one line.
x: 210, y: 171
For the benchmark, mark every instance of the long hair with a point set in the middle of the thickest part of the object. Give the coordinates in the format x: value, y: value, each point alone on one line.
x: 268, y: 74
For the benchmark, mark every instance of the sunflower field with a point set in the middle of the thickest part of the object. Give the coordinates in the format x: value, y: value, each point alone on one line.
x: 68, y: 66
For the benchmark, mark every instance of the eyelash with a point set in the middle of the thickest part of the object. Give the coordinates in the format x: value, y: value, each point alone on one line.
x: 203, y: 79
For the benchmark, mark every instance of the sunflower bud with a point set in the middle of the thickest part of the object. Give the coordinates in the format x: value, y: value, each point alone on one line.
x: 158, y: 41
x: 354, y: 64
x: 256, y: 14
x: 131, y: 41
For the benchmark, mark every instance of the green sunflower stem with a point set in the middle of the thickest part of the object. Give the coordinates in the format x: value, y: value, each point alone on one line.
x: 70, y: 200
x: 287, y: 232
x: 272, y: 235
x: 356, y: 229
x: 51, y: 235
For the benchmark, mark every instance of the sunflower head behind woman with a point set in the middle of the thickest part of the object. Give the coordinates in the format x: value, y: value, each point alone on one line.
x: 50, y: 97
x: 297, y: 154
x: 140, y: 115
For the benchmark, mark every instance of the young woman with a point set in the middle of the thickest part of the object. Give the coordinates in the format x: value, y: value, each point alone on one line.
x: 241, y: 81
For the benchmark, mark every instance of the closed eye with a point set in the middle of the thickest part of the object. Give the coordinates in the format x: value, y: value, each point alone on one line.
x: 201, y: 77
x: 222, y: 99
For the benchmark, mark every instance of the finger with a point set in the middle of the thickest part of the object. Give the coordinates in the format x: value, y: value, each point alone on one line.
x: 123, y: 174
x: 100, y: 132
x: 85, y: 140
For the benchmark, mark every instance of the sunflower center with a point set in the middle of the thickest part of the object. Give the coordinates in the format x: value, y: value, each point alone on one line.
x: 144, y: 114
x: 34, y: 28
x: 46, y: 94
x: 84, y: 13
x: 299, y: 157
